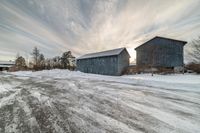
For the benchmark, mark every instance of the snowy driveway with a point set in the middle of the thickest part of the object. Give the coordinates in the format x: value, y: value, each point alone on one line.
x: 75, y: 104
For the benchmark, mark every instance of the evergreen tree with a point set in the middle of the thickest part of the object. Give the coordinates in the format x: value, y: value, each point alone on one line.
x: 65, y: 59
x: 20, y: 63
x: 41, y: 62
x: 36, y: 54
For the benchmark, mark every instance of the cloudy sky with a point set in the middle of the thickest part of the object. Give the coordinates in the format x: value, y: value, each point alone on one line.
x: 85, y: 26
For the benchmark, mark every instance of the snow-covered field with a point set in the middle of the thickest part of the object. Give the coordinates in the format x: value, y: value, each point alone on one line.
x: 63, y: 101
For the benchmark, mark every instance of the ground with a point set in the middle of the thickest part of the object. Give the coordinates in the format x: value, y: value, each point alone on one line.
x: 60, y: 101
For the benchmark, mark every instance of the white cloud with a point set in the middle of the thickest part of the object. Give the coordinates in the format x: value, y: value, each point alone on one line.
x: 93, y: 25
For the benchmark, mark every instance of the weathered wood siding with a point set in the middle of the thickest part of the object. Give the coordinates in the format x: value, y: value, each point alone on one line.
x: 101, y: 65
x: 160, y: 53
x: 123, y: 61
x: 109, y: 65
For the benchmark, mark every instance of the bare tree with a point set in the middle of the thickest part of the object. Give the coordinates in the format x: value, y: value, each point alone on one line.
x: 195, y: 50
x: 36, y: 54
x: 17, y: 55
x: 194, y: 55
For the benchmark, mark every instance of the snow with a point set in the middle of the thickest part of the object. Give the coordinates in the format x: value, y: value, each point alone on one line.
x: 3, y: 88
x: 172, y: 78
x: 70, y: 101
x: 103, y: 53
x: 172, y: 81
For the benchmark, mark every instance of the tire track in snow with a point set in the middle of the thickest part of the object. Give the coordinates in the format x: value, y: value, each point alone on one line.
x: 46, y: 104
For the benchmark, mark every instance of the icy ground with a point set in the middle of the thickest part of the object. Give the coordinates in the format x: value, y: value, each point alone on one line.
x: 60, y: 101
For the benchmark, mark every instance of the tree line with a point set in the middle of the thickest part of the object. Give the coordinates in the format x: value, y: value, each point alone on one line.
x: 39, y: 62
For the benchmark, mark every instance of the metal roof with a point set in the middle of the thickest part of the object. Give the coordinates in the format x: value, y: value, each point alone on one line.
x: 7, y: 62
x: 6, y: 66
x: 103, y: 53
x: 159, y: 37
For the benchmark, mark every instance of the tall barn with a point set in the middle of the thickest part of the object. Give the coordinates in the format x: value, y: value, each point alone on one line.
x: 160, y: 52
x: 111, y: 62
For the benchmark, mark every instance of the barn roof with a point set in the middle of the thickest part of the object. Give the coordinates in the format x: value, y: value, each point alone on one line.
x: 103, y: 53
x: 7, y: 63
x: 158, y: 37
x: 6, y: 66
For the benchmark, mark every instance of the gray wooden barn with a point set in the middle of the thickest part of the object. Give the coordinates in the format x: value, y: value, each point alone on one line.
x: 111, y: 62
x: 160, y: 52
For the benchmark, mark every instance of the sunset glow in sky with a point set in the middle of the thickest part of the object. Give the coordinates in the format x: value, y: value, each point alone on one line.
x: 85, y: 26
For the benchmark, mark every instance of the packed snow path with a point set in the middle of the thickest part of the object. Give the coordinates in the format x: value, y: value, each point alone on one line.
x: 48, y: 104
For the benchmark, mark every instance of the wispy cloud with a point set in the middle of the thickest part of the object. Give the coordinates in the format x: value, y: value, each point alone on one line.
x: 92, y: 25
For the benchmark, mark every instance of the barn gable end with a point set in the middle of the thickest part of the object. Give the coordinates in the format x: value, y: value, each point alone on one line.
x: 160, y: 52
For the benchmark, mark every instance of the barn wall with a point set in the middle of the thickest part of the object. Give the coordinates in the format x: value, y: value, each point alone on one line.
x: 123, y: 62
x: 160, y: 52
x: 100, y: 65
